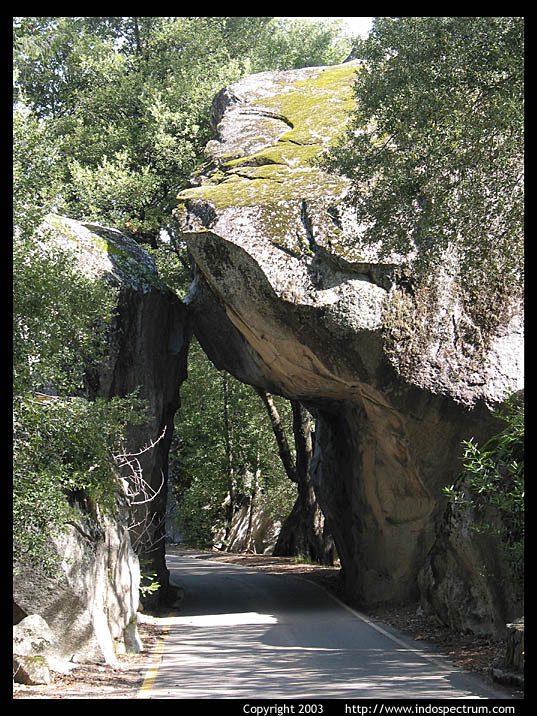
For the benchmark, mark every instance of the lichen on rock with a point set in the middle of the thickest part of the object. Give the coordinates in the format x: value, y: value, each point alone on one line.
x: 102, y: 250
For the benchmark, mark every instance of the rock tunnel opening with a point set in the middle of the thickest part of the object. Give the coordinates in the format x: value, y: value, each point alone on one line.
x: 287, y: 299
x: 383, y: 449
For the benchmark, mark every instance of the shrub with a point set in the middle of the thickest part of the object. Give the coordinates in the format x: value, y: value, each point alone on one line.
x: 493, y: 475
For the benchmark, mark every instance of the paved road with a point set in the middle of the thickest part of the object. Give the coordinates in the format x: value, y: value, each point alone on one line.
x: 244, y: 634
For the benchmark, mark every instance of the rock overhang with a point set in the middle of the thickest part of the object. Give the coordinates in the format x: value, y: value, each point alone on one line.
x: 263, y: 192
x: 288, y: 298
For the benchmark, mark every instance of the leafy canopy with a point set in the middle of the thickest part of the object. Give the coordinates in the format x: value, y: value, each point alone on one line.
x: 205, y: 439
x: 493, y: 474
x: 434, y: 150
x: 63, y: 458
x: 127, y: 100
x: 63, y: 446
x: 59, y: 315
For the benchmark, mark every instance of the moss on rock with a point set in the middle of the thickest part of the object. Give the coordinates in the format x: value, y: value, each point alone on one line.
x: 278, y: 177
x: 106, y: 250
x: 316, y: 107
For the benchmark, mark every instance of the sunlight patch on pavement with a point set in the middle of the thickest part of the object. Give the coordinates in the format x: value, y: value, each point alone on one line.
x: 207, y: 620
x: 232, y: 619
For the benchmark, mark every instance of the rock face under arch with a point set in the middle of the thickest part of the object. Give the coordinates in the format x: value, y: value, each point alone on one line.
x: 288, y: 299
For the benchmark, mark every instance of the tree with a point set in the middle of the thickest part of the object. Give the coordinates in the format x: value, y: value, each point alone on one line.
x: 291, y: 44
x: 223, y: 454
x: 302, y: 533
x: 63, y: 444
x: 434, y: 150
x: 59, y: 315
x: 128, y: 98
x: 493, y: 476
x: 63, y: 450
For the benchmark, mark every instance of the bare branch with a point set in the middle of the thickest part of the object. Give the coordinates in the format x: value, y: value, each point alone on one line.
x: 143, y: 523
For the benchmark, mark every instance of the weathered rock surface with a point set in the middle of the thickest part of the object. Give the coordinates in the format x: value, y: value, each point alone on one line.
x: 32, y: 639
x: 32, y: 635
x: 263, y: 535
x: 148, y: 344
x: 466, y: 580
x: 288, y: 299
x: 30, y: 670
x: 510, y: 671
x: 91, y: 605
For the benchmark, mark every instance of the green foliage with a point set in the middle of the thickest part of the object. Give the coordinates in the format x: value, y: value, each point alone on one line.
x: 63, y: 446
x: 63, y: 453
x: 60, y: 318
x: 199, y: 454
x: 59, y: 315
x: 172, y: 266
x: 127, y: 100
x: 34, y: 170
x: 291, y: 44
x: 494, y: 475
x: 148, y: 580
x: 434, y: 150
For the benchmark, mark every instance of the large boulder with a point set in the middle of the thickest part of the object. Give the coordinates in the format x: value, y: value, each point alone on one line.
x: 90, y: 604
x: 32, y: 635
x: 32, y: 639
x: 253, y: 530
x: 30, y: 670
x: 288, y: 298
x: 147, y: 350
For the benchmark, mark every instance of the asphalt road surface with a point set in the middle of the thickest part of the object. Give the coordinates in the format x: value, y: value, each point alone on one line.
x: 244, y: 634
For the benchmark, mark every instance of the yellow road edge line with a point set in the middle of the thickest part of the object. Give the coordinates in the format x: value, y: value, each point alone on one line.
x: 151, y: 675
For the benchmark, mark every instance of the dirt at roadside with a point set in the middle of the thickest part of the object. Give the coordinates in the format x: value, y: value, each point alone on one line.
x: 87, y: 681
x: 99, y: 681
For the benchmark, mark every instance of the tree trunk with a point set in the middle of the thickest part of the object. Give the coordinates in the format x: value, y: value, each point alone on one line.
x: 230, y: 510
x: 249, y: 544
x: 136, y: 28
x: 281, y: 439
x: 302, y: 533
